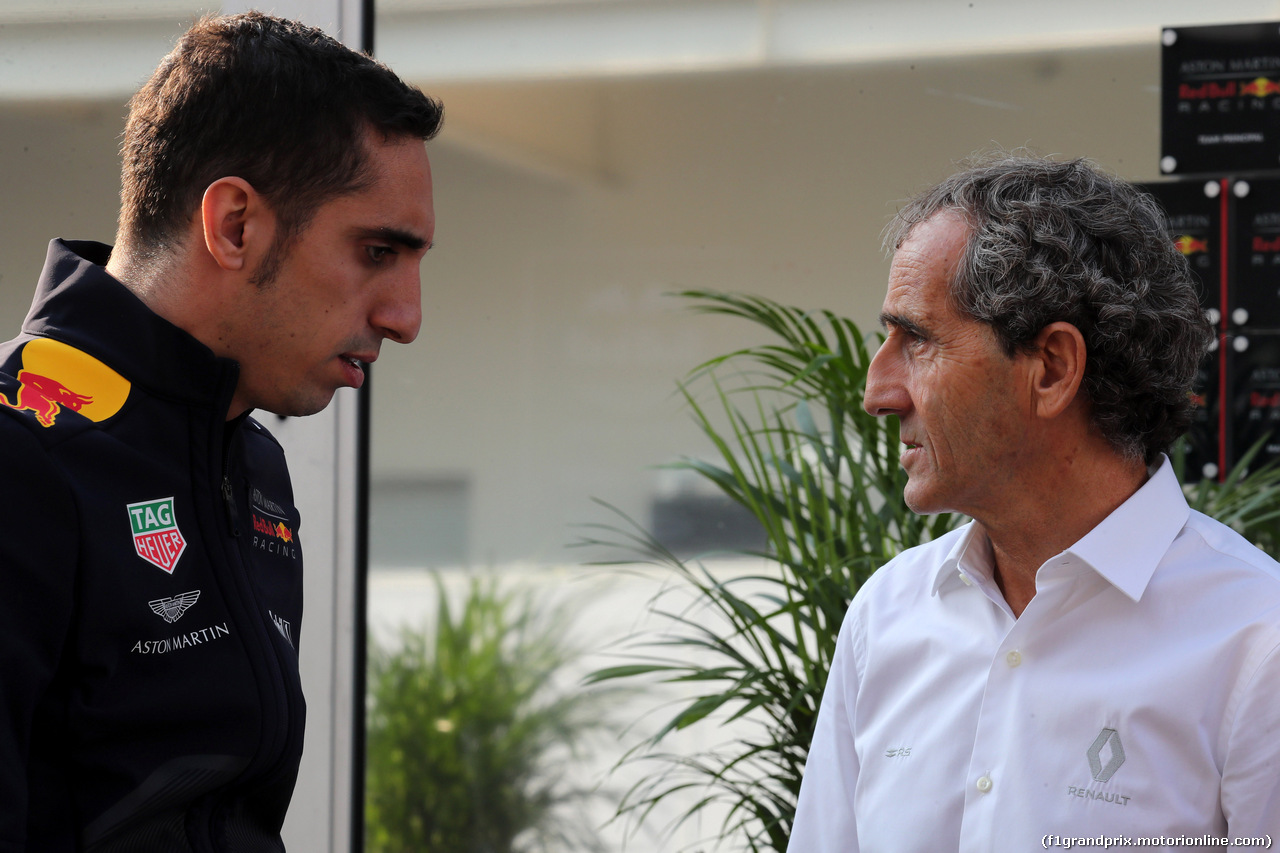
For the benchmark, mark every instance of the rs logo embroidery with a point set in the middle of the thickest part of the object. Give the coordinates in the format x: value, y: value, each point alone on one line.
x: 1103, y: 772
x: 156, y: 536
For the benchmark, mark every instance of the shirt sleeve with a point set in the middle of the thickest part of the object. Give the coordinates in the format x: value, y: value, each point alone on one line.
x: 1251, y: 772
x: 38, y: 547
x: 825, y: 821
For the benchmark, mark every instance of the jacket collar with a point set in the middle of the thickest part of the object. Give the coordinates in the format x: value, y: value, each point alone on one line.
x: 78, y: 302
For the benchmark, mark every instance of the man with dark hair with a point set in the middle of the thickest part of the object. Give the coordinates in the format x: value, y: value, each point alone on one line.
x: 276, y: 204
x: 1088, y: 657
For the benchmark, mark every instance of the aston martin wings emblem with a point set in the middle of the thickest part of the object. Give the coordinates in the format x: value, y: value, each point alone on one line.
x: 171, y: 609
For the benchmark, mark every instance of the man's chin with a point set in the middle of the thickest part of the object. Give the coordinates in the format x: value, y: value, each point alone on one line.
x: 920, y: 500
x: 297, y: 407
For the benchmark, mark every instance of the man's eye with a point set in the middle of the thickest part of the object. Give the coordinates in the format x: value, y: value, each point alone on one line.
x: 908, y: 335
x: 378, y: 254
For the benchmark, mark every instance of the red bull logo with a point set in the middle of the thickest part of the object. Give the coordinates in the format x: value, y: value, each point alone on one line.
x: 277, y: 530
x: 1264, y: 399
x: 55, y: 376
x: 1262, y: 244
x: 1187, y: 92
x: 45, y: 397
x: 1260, y: 88
x: 1189, y: 245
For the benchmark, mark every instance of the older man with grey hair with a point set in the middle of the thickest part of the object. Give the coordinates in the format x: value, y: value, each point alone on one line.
x: 1089, y: 658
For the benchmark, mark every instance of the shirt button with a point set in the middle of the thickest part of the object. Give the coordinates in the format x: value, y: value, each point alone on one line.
x: 965, y: 578
x: 1013, y: 658
x: 984, y: 784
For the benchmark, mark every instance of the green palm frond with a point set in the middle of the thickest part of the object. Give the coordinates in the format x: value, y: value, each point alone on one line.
x: 821, y: 477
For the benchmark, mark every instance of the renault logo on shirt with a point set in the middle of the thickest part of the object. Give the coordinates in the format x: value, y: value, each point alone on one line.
x: 1106, y: 744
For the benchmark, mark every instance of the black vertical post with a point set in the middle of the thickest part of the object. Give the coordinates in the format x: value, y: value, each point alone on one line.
x: 366, y: 26
x: 364, y: 410
x: 361, y: 605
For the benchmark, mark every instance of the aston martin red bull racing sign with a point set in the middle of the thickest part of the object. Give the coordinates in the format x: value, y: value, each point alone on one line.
x: 1220, y: 99
x: 155, y: 533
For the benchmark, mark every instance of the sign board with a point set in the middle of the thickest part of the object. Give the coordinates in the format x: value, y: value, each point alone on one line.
x: 1254, y: 366
x: 1220, y: 99
x: 1254, y: 294
x: 1195, y: 210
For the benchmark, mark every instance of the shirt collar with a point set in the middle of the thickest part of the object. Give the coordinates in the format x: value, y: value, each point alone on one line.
x: 968, y: 561
x: 1124, y: 548
x: 1130, y: 542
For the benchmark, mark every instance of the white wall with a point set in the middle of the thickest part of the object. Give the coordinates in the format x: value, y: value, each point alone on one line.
x: 549, y: 355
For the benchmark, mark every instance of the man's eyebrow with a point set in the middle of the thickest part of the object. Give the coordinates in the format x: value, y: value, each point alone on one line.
x: 399, y: 237
x: 901, y: 322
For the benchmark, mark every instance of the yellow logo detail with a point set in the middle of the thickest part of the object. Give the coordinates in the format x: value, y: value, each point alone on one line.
x: 80, y: 372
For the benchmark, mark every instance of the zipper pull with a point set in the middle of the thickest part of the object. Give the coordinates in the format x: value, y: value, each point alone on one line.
x: 229, y: 501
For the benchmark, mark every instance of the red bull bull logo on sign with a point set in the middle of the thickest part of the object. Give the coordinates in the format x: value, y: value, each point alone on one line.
x: 1260, y: 87
x: 1189, y: 245
x: 45, y: 397
x: 156, y: 536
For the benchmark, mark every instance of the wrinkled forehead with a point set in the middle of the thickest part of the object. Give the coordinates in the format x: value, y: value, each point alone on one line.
x: 932, y: 246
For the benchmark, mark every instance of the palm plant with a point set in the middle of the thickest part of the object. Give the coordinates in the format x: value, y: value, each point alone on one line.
x: 465, y: 731
x: 1246, y: 499
x: 821, y: 476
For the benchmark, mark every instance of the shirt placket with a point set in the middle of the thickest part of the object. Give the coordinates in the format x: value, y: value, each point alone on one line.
x: 990, y: 795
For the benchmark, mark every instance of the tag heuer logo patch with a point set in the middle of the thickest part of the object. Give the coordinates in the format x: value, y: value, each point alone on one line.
x: 171, y: 609
x: 155, y: 533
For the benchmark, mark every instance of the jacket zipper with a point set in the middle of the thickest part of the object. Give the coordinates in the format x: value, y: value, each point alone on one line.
x: 229, y: 502
x: 266, y: 763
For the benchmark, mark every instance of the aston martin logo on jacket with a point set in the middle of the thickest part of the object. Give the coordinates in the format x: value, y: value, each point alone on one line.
x: 171, y: 609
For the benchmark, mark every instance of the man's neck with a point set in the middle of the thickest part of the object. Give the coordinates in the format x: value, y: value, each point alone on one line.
x: 140, y: 272
x: 166, y: 287
x: 1077, y: 497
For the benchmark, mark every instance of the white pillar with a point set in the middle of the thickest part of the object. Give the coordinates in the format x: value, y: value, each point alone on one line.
x: 322, y: 450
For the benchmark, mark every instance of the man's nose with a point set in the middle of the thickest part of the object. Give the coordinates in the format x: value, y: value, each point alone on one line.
x: 884, y: 394
x: 399, y: 316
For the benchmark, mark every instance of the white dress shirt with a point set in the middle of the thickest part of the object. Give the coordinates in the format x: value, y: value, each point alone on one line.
x: 1137, y: 696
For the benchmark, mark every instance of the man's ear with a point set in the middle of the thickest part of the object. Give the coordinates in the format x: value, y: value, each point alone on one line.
x: 235, y: 221
x: 1059, y: 362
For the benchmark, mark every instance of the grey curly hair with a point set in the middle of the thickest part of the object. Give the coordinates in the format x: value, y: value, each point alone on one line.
x: 1061, y: 241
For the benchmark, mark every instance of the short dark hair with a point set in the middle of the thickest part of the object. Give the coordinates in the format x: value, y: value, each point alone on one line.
x: 1062, y: 241
x: 277, y: 103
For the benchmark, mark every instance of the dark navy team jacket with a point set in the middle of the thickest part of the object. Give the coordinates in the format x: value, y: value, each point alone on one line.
x: 150, y: 585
